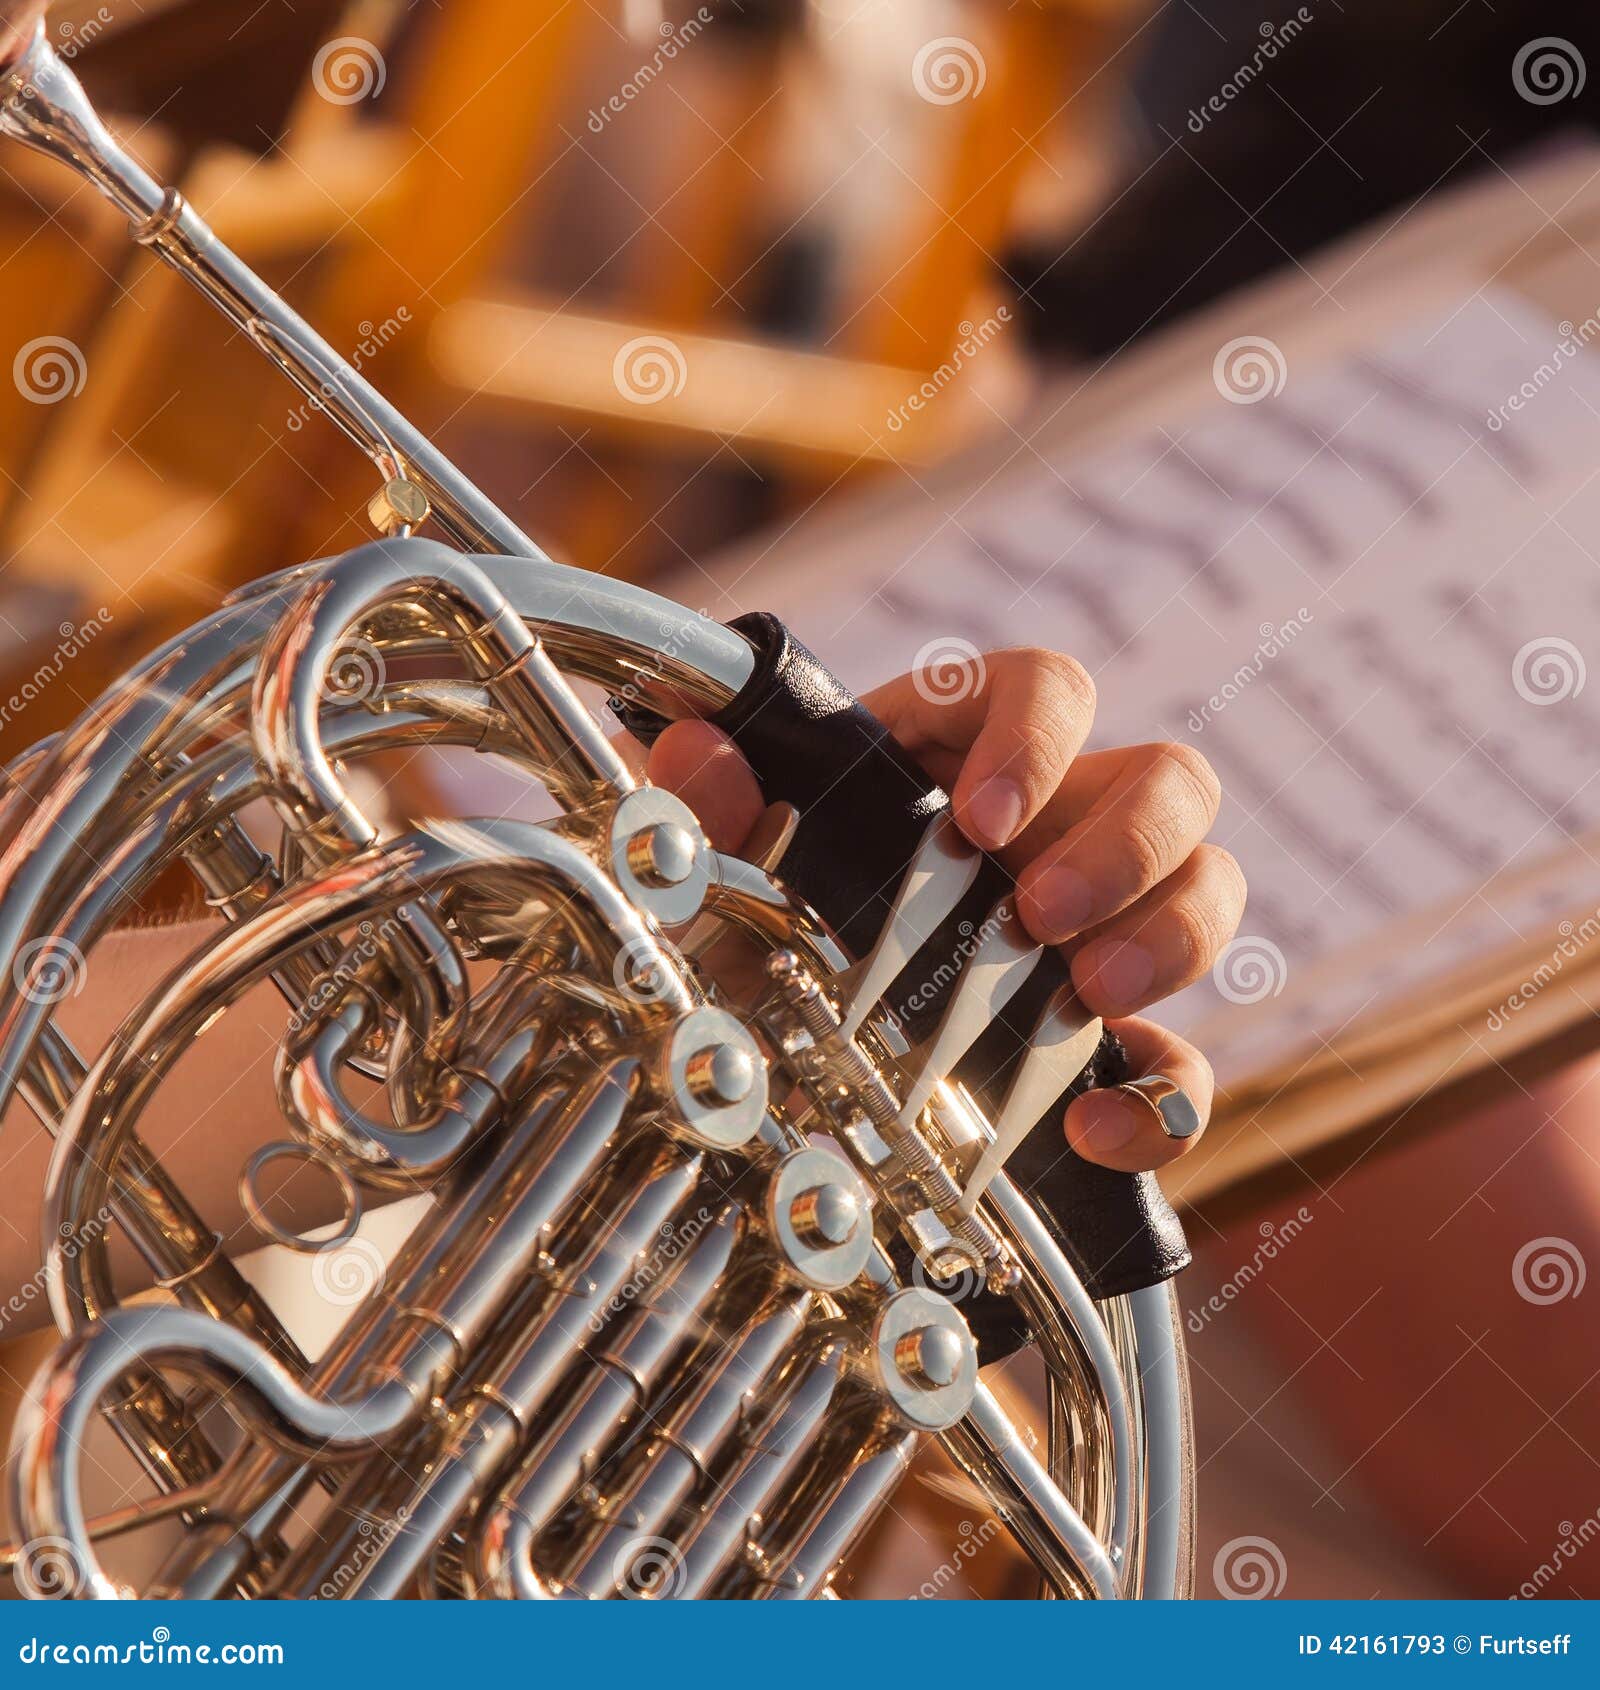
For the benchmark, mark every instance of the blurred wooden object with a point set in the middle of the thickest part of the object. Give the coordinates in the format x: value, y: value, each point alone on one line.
x: 136, y: 422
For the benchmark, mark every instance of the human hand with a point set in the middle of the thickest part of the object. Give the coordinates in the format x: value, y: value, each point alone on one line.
x: 1108, y: 848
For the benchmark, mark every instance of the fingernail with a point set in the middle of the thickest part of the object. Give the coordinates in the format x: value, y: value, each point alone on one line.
x: 1064, y: 899
x: 1172, y: 1104
x: 994, y: 811
x: 1104, y: 1121
x: 1121, y: 970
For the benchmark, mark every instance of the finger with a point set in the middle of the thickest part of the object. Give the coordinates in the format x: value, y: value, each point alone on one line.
x: 1017, y: 717
x: 708, y: 772
x: 1144, y: 825
x: 1119, y: 1127
x: 1165, y: 941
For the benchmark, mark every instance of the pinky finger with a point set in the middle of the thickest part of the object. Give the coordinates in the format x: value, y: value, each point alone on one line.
x: 1123, y: 1127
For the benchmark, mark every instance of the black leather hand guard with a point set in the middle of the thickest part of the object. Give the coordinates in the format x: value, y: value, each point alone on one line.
x: 864, y: 808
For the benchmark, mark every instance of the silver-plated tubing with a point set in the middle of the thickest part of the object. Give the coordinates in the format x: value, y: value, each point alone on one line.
x: 777, y: 1451
x: 855, y: 1486
x: 130, y: 1070
x: 658, y: 1476
x: 1073, y: 1336
x: 1152, y: 1348
x: 497, y: 1407
x: 261, y: 1488
x: 292, y: 685
x: 629, y: 1363
x: 989, y: 1447
x: 51, y: 1430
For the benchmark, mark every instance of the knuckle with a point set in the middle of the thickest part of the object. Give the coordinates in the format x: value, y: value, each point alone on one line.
x: 1068, y: 682
x: 1221, y: 868
x: 1146, y: 851
x: 1201, y: 926
x: 1194, y: 774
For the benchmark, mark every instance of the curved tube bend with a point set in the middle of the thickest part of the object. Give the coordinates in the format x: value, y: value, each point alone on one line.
x: 55, y: 1421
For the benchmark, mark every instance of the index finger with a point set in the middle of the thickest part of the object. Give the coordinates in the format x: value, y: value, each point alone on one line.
x: 1018, y: 717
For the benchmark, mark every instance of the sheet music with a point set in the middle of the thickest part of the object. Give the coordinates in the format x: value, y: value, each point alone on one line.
x: 1371, y: 611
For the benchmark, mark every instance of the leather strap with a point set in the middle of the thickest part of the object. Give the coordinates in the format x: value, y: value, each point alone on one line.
x: 864, y: 807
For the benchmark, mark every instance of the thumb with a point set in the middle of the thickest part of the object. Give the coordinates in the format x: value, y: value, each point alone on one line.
x: 703, y: 767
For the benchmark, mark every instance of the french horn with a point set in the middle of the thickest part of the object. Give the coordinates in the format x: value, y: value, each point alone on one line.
x: 731, y: 1174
